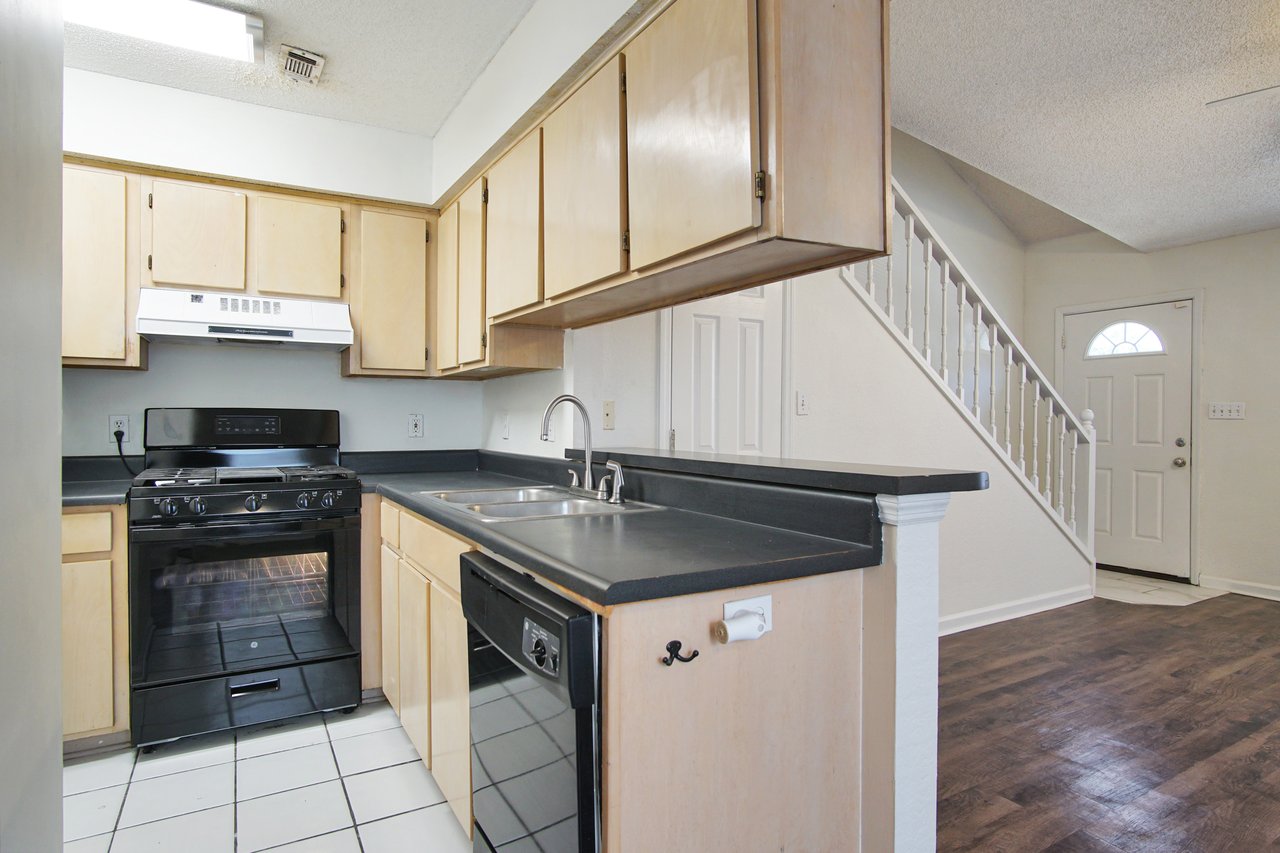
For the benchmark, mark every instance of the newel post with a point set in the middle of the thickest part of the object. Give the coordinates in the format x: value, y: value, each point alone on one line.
x: 900, y: 679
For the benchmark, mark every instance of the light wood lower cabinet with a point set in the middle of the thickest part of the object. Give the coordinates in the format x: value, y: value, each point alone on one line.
x: 415, y: 667
x: 95, y: 622
x: 390, y: 564
x: 450, y: 703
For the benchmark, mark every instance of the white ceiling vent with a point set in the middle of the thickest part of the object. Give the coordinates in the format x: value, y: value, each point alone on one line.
x: 301, y: 64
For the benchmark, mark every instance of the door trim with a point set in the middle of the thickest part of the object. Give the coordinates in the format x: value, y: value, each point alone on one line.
x: 1196, y: 297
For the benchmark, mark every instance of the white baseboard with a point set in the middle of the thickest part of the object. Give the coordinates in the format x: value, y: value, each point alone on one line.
x: 1013, y: 609
x: 1257, y: 590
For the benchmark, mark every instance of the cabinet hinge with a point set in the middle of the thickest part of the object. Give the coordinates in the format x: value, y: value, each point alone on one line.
x: 671, y: 440
x: 484, y: 196
x: 428, y: 230
x: 426, y: 354
x: 342, y: 226
x: 760, y: 176
x: 484, y: 340
x: 342, y: 281
x: 626, y: 241
x: 624, y: 82
x: 149, y: 200
x: 1064, y: 340
x: 148, y: 262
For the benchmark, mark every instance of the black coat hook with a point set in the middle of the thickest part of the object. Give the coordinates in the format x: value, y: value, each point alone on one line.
x: 673, y: 653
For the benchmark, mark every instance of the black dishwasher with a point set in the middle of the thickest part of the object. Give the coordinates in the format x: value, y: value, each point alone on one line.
x: 535, y: 713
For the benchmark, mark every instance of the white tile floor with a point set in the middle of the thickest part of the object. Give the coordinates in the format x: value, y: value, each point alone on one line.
x: 337, y: 784
x: 1135, y: 589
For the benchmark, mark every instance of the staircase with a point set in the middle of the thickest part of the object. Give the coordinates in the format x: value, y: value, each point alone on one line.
x: 924, y: 298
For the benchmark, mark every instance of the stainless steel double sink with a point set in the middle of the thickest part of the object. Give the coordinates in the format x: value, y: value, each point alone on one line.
x: 533, y: 502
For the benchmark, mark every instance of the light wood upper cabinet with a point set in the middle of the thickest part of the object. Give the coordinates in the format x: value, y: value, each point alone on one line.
x: 584, y: 185
x: 197, y: 236
x: 390, y: 565
x: 392, y: 291
x: 415, y: 639
x: 297, y: 247
x: 446, y: 306
x: 692, y: 140
x: 450, y: 703
x: 513, y: 231
x: 472, y: 325
x: 94, y: 283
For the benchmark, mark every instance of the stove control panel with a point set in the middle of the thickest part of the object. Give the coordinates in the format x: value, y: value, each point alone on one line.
x: 209, y: 503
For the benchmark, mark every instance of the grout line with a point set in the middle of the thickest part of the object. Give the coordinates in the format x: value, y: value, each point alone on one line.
x: 235, y: 791
x: 342, y: 781
x: 403, y: 813
x: 386, y: 767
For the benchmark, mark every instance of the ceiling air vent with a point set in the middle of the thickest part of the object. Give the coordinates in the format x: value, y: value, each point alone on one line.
x: 301, y: 64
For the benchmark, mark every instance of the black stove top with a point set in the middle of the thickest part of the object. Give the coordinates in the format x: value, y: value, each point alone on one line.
x: 241, y: 475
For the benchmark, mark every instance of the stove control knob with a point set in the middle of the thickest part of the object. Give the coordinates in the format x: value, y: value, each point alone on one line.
x: 169, y: 507
x: 253, y: 503
x: 327, y: 500
x: 198, y: 505
x: 539, y: 652
x: 304, y: 500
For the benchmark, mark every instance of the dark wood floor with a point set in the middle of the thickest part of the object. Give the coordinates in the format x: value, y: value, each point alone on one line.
x: 1106, y: 726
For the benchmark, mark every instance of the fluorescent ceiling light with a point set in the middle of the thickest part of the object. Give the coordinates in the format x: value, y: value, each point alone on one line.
x: 181, y: 23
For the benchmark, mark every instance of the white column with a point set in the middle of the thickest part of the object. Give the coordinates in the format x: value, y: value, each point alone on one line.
x: 900, y: 679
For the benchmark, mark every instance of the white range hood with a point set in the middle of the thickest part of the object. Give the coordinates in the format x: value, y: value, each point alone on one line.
x: 193, y: 316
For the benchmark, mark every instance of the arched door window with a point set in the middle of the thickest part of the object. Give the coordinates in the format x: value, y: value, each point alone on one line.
x: 1127, y: 338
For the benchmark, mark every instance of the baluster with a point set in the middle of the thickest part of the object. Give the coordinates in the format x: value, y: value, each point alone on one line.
x: 977, y: 360
x: 1008, y: 398
x: 1062, y: 458
x: 1075, y: 446
x: 1035, y: 435
x: 928, y: 330
x: 871, y: 280
x: 942, y: 346
x: 991, y: 387
x: 1048, y: 455
x: 888, y: 274
x: 1022, y: 421
x: 911, y: 235
x: 961, y: 298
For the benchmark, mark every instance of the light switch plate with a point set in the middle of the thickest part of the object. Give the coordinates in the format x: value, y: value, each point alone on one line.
x: 1226, y: 411
x: 759, y: 604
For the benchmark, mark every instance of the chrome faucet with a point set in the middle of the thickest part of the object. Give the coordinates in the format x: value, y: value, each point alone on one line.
x: 586, y: 431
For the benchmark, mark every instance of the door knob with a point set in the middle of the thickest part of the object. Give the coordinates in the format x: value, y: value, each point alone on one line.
x: 1181, y: 442
x: 1179, y: 462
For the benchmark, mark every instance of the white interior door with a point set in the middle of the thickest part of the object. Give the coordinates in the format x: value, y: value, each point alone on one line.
x: 1132, y: 366
x: 726, y: 373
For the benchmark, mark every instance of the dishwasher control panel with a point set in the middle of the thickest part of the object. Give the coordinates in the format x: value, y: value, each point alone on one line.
x: 541, y: 648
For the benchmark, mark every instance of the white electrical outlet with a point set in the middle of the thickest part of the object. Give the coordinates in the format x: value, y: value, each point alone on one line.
x: 415, y: 426
x: 802, y: 403
x: 1226, y: 411
x: 506, y: 426
x: 609, y: 414
x: 121, y: 423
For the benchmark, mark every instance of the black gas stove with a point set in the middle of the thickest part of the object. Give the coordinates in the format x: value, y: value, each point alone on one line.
x: 244, y: 571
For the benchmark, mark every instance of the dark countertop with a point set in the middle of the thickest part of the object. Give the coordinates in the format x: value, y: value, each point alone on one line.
x: 836, y: 476
x: 630, y: 557
x: 94, y: 492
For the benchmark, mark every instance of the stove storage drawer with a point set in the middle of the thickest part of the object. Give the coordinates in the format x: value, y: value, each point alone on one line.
x: 178, y: 710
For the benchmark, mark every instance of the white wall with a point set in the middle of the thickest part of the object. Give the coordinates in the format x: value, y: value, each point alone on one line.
x: 1238, y: 541
x: 983, y: 245
x: 144, y: 123
x: 374, y: 411
x: 1001, y: 554
x: 618, y: 361
x: 547, y: 43
x: 30, y: 334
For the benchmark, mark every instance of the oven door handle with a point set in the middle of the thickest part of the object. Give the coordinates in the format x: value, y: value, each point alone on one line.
x: 252, y: 687
x: 221, y: 532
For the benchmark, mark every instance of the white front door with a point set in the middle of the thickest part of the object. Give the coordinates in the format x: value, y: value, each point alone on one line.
x: 1132, y: 366
x: 726, y: 373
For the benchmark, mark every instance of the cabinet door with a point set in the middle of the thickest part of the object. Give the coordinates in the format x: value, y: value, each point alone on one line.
x: 583, y: 189
x: 513, y: 231
x: 88, y: 685
x: 391, y: 627
x: 393, y: 291
x: 446, y: 347
x: 471, y: 314
x: 197, y: 236
x: 94, y: 285
x: 450, y: 704
x: 692, y: 145
x: 415, y: 637
x: 297, y: 247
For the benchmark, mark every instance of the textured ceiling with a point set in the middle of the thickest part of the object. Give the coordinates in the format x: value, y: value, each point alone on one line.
x: 1097, y: 107
x: 1030, y: 219
x: 399, y: 64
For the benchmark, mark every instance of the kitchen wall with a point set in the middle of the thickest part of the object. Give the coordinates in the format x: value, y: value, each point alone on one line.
x: 30, y: 330
x: 1237, y: 538
x: 144, y: 123
x: 374, y: 411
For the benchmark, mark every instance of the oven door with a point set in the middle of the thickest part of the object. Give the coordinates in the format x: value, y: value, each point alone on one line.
x: 224, y: 609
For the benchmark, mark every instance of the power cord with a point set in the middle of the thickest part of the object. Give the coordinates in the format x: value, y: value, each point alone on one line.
x: 120, y: 449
